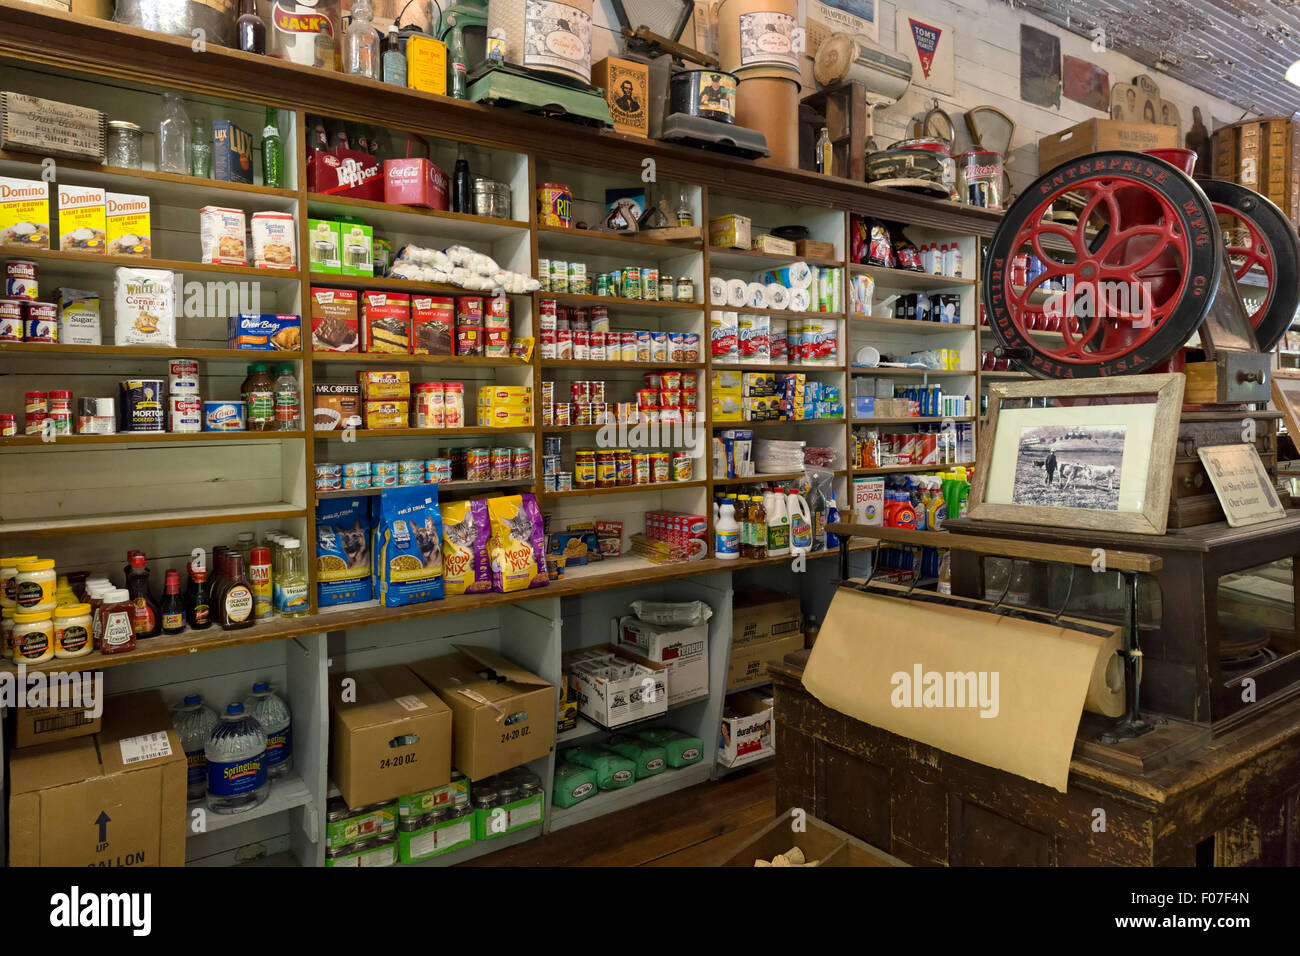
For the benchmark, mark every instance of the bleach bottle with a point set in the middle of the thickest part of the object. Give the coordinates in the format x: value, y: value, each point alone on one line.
x: 801, y: 524
x: 726, y: 531
x: 778, y: 524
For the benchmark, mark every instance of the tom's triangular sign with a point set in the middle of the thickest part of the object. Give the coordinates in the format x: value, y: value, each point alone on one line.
x: 926, y: 38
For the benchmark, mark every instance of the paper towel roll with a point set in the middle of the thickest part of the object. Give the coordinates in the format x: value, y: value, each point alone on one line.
x: 797, y: 275
x: 1106, y: 688
x: 756, y: 295
x: 737, y: 293
x: 717, y: 290
x: 778, y: 296
x: 800, y: 300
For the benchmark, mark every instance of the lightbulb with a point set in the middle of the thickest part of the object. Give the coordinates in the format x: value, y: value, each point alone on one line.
x: 1293, y: 73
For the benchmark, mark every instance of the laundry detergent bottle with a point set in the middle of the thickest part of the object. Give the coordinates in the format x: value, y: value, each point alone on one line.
x: 778, y: 524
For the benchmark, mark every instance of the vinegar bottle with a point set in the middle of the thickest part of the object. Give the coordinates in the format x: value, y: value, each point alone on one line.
x: 758, y: 527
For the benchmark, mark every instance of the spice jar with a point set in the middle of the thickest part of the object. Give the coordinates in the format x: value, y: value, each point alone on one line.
x: 123, y: 144
x: 114, y: 624
x: 35, y: 585
x: 33, y: 637
x: 72, y: 631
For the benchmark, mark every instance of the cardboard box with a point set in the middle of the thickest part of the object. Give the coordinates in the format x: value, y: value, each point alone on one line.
x: 819, y: 842
x: 264, y: 332
x: 24, y: 214
x: 730, y: 232
x: 82, y: 221
x: 773, y: 245
x: 496, y: 725
x: 324, y: 250
x: 392, y: 737
x: 747, y: 731
x: 129, y: 231
x: 760, y: 615
x: 627, y: 91
x: 617, y: 701
x: 426, y: 64
x: 416, y: 181
x: 868, y: 501
x: 684, y: 651
x: 126, y: 785
x: 46, y: 725
x: 232, y: 153
x: 509, y: 817
x: 748, y: 665
x: 1095, y: 135
x: 356, y: 248
x: 386, y: 322
x: 814, y: 249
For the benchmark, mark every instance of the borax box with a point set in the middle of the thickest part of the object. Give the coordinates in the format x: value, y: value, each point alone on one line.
x: 82, y: 219
x: 128, y: 224
x: 24, y: 213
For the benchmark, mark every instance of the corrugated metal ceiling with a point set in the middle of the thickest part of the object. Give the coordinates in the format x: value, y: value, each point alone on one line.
x: 1238, y: 50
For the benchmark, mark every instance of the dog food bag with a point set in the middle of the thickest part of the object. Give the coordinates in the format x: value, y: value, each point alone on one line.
x: 680, y: 750
x: 466, y: 531
x: 573, y: 784
x: 650, y: 759
x: 343, y: 551
x: 613, y: 772
x: 145, y: 303
x: 408, y: 546
x: 518, y: 548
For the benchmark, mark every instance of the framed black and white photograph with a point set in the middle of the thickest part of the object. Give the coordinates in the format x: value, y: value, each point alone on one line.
x: 1094, y: 453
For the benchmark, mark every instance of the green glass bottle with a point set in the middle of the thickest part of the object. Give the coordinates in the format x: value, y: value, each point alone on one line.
x: 272, y: 152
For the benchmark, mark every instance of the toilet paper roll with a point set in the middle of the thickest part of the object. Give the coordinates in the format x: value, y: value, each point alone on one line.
x: 797, y: 275
x: 756, y: 295
x: 737, y: 293
x: 800, y: 300
x: 717, y: 290
x: 778, y: 296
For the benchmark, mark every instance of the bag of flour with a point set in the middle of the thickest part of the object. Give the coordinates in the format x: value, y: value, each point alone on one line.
x: 145, y: 303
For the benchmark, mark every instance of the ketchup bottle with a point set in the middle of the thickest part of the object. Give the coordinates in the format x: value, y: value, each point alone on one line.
x: 144, y: 610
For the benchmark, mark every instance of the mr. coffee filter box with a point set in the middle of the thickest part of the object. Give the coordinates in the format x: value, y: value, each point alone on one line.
x: 24, y: 213
x: 127, y: 223
x: 82, y: 219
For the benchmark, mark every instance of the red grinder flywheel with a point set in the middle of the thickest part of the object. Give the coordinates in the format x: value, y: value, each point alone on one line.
x: 1125, y: 287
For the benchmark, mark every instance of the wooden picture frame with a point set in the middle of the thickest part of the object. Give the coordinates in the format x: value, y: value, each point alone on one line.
x: 1165, y: 393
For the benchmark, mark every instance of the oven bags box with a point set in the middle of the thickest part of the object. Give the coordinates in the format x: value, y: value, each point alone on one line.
x: 343, y: 564
x: 408, y: 546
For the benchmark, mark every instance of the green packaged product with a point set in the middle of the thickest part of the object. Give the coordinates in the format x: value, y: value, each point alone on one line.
x: 681, y: 749
x: 612, y: 771
x: 573, y: 784
x: 650, y: 759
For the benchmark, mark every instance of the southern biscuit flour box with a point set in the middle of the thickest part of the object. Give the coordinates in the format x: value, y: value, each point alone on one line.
x: 24, y: 214
x: 83, y: 223
x: 127, y: 223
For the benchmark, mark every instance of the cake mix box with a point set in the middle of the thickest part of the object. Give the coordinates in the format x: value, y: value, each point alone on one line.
x: 127, y: 224
x: 82, y: 220
x: 334, y: 320
x: 433, y: 321
x: 386, y: 322
x: 24, y: 213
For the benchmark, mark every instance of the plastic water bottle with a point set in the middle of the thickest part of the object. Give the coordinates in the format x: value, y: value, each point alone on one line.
x: 274, y: 716
x: 194, y: 722
x: 236, y: 754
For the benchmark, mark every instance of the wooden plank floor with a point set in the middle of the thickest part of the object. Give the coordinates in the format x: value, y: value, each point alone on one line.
x: 698, y: 826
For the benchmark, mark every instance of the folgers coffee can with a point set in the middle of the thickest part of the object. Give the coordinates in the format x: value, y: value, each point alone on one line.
x: 186, y: 413
x: 140, y: 402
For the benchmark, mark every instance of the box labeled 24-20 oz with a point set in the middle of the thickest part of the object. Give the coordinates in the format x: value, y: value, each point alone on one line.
x: 389, y: 735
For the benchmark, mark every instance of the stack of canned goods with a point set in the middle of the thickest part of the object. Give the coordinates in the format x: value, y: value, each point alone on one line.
x: 459, y: 464
x: 411, y: 821
x: 50, y: 410
x: 666, y: 398
x: 583, y: 334
x: 630, y: 282
x: 613, y: 467
x: 506, y: 788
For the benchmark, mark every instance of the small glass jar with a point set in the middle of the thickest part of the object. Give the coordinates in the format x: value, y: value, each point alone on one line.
x: 124, y: 141
x: 35, y: 586
x: 33, y: 637
x: 72, y: 631
x: 685, y: 289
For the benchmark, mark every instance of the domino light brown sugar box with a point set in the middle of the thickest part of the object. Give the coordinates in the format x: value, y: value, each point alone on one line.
x: 24, y: 213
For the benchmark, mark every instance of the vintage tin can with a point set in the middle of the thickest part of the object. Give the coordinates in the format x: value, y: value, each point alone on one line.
x: 623, y: 466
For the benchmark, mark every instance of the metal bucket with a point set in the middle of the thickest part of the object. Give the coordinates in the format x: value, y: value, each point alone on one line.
x: 216, y: 18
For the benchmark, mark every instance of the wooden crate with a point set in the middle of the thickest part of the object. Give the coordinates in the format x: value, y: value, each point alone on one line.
x: 1262, y: 155
x: 1097, y: 135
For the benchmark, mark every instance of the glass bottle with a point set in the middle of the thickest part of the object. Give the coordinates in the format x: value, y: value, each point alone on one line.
x: 361, y: 43
x: 272, y: 151
x: 250, y: 28
x: 144, y: 610
x: 462, y: 188
x: 198, y: 611
x: 394, y: 57
x: 235, y: 602
x: 457, y: 67
x: 825, y: 160
x: 685, y: 217
x: 173, y: 136
x: 172, y: 611
x: 200, y: 150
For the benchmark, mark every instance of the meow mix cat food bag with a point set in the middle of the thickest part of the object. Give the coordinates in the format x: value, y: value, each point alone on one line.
x: 343, y: 551
x: 518, y: 549
x: 408, y: 546
x: 466, y: 531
